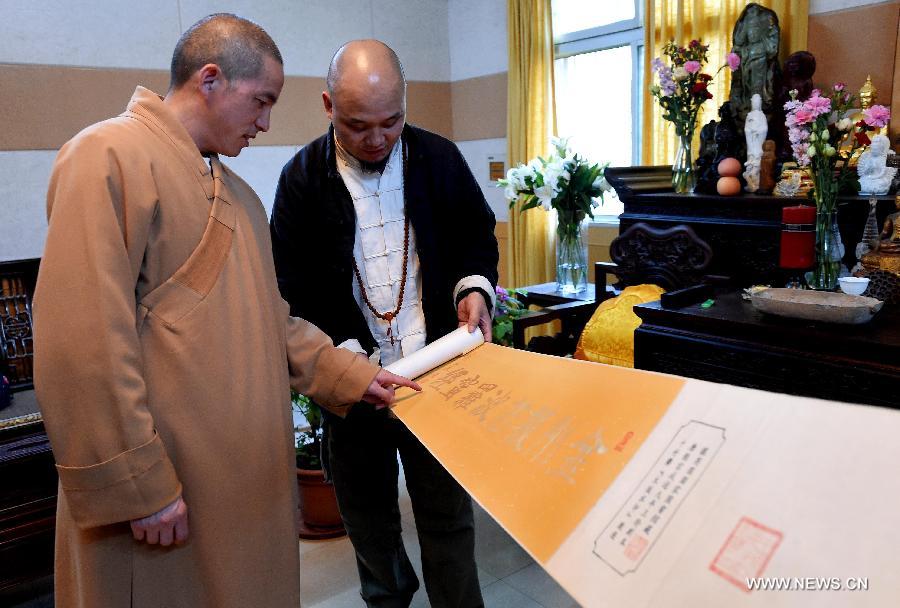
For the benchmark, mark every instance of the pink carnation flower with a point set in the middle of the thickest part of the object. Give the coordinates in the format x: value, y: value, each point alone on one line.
x: 839, y: 86
x: 876, y: 116
x: 734, y: 61
x: 692, y: 67
x: 804, y: 116
x: 817, y: 105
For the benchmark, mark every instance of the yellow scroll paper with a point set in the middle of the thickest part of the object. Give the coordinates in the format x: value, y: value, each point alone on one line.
x: 535, y: 439
x: 639, y: 489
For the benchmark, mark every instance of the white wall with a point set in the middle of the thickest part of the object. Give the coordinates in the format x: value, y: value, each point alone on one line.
x: 112, y: 33
x: 23, y: 195
x: 479, y: 47
x: 476, y: 153
x: 478, y: 42
x: 116, y: 34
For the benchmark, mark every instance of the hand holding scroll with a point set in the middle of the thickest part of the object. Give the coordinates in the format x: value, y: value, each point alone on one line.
x: 473, y: 311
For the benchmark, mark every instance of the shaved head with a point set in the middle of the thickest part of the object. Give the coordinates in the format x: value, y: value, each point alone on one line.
x: 370, y: 60
x: 365, y: 99
x: 237, y: 45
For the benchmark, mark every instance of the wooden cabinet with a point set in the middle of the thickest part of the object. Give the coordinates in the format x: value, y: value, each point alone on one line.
x: 743, y: 231
x: 27, y: 499
x: 733, y: 343
x: 28, y: 480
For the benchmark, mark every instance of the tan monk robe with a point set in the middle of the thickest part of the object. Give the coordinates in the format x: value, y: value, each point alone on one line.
x: 163, y: 356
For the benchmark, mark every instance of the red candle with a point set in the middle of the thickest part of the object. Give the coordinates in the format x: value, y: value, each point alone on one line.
x: 798, y: 237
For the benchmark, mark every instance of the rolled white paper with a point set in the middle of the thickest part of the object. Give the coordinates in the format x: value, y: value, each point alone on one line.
x: 454, y: 344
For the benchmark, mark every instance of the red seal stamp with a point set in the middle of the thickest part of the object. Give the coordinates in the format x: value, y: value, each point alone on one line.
x: 746, y: 552
x: 635, y: 548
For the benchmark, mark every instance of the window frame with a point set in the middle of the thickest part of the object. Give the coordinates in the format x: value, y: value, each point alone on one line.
x: 628, y: 32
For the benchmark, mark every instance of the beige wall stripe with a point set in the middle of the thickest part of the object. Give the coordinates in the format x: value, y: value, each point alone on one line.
x: 44, y: 106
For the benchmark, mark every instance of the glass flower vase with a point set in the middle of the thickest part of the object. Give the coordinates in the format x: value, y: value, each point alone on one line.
x: 684, y: 178
x: 571, y: 254
x: 829, y: 249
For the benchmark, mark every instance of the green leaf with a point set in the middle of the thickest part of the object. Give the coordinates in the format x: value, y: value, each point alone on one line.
x: 502, y: 329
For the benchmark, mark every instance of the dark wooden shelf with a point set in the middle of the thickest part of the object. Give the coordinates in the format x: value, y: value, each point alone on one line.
x: 731, y: 342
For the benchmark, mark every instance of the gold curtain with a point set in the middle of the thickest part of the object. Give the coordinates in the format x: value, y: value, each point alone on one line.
x: 712, y: 21
x: 531, y: 119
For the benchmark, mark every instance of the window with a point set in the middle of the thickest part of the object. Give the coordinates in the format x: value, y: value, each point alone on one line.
x: 599, y: 54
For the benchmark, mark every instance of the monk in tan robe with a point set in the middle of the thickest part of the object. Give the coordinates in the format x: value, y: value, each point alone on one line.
x: 164, y: 354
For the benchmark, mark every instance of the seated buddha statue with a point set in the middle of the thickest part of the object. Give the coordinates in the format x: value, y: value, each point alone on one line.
x: 875, y: 176
x: 887, y: 255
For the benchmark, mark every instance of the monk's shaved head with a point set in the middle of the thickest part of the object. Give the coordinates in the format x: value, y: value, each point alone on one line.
x: 237, y: 45
x: 362, y: 62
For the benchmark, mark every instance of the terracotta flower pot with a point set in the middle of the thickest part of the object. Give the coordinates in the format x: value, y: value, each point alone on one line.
x: 317, y: 510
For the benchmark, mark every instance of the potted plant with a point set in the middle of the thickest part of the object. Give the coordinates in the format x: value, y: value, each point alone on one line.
x: 508, y: 308
x: 318, y: 510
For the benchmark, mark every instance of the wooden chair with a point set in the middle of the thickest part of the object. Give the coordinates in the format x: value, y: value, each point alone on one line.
x: 674, y: 258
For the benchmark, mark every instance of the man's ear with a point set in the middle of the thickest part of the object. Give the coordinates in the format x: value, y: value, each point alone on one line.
x: 210, y: 78
x: 326, y: 101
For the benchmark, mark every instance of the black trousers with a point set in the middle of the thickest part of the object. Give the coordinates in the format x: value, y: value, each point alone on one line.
x: 362, y: 462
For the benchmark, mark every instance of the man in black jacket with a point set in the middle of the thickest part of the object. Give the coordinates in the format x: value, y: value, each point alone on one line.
x: 383, y: 239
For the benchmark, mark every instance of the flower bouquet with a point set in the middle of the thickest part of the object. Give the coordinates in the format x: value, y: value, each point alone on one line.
x: 683, y: 87
x: 818, y: 129
x: 570, y: 185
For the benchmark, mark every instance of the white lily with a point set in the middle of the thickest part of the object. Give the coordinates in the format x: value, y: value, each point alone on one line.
x: 545, y: 196
x: 601, y: 183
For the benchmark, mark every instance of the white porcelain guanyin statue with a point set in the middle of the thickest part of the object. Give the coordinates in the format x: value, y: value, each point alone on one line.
x: 874, y: 175
x: 755, y: 129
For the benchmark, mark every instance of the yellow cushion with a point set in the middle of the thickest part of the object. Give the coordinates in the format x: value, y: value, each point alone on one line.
x: 609, y: 335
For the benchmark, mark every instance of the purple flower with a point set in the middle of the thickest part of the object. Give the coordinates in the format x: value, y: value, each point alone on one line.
x: 692, y: 67
x: 797, y: 135
x: 734, y: 61
x: 876, y: 116
x: 666, y: 81
x: 839, y: 86
x: 792, y: 105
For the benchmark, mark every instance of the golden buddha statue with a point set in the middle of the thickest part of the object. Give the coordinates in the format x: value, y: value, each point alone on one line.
x: 802, y: 182
x: 867, y: 94
x: 886, y: 256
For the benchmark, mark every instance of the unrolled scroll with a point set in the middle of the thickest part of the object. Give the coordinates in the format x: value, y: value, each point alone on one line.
x: 454, y: 344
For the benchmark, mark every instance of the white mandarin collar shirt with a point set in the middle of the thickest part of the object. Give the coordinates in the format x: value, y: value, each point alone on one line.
x: 378, y: 252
